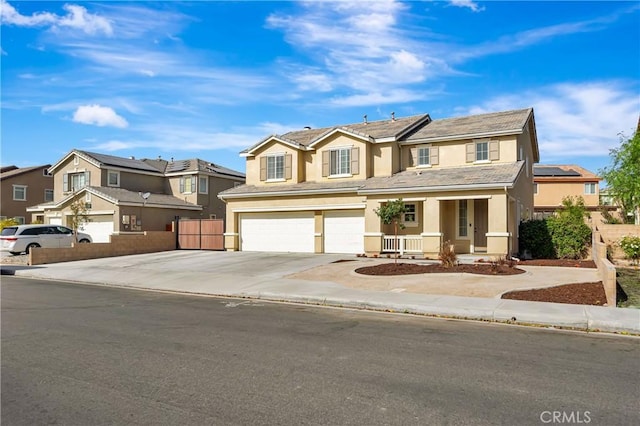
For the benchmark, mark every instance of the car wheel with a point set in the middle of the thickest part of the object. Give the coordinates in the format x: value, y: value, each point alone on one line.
x: 84, y: 240
x: 30, y: 246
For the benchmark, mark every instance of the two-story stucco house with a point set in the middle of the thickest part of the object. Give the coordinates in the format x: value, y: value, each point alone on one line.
x: 552, y: 183
x: 467, y: 180
x: 22, y: 187
x: 133, y: 195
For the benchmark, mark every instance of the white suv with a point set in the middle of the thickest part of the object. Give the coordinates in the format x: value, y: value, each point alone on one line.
x: 22, y: 238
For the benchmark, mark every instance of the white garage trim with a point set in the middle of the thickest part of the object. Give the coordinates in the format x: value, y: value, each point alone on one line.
x: 277, y: 232
x: 344, y: 231
x: 301, y: 208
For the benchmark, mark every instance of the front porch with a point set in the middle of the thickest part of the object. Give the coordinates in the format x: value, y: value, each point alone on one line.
x: 473, y: 224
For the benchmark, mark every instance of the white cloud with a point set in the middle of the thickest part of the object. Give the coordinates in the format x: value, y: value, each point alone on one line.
x: 99, y: 116
x: 575, y: 119
x: 77, y: 17
x: 468, y: 4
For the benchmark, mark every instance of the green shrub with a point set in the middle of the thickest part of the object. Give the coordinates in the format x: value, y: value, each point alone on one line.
x: 630, y: 245
x: 535, y: 237
x: 570, y: 235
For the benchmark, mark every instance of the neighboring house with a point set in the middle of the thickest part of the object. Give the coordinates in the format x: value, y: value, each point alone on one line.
x: 23, y: 187
x: 552, y: 183
x: 130, y: 195
x: 467, y: 180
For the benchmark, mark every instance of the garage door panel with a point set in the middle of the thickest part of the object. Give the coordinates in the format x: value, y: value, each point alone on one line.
x: 100, y: 230
x: 277, y: 232
x: 344, y: 231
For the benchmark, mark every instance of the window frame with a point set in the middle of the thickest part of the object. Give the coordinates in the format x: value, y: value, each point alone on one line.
x: 183, y: 184
x: 275, y: 167
x: 459, y: 218
x: 591, y: 186
x: 484, y: 151
x: 117, y: 175
x: 202, y: 179
x: 338, y: 158
x: 406, y: 216
x: 48, y: 191
x: 421, y: 150
x: 24, y: 192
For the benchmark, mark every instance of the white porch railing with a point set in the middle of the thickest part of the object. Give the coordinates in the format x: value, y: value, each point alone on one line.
x: 405, y: 244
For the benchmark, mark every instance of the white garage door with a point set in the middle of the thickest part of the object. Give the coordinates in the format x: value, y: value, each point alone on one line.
x: 55, y: 221
x: 284, y: 232
x: 344, y: 231
x: 99, y: 229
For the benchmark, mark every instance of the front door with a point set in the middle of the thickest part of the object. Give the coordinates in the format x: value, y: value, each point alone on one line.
x: 481, y: 225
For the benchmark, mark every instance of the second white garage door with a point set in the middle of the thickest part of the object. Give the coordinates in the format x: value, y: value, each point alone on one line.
x: 344, y: 231
x: 100, y: 228
x: 280, y: 232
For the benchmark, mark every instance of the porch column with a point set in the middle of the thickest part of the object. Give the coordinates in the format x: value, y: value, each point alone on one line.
x: 231, y: 236
x: 372, y: 229
x: 431, y: 232
x: 498, y: 234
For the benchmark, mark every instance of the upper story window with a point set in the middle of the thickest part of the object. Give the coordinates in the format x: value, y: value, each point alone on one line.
x: 589, y: 188
x: 483, y: 151
x: 75, y: 181
x: 340, y: 162
x: 19, y: 192
x: 48, y: 195
x: 187, y: 184
x: 423, y: 156
x: 203, y: 184
x: 275, y: 167
x: 45, y: 172
x: 113, y: 178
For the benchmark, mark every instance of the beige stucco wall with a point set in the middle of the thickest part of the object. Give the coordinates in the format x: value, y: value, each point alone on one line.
x: 550, y: 194
x: 314, y: 165
x: 385, y: 159
x: 270, y: 148
x: 95, y: 178
x: 36, y: 183
x: 136, y: 181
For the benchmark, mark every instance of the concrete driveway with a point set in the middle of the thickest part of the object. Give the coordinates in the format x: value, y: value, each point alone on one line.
x: 250, y: 272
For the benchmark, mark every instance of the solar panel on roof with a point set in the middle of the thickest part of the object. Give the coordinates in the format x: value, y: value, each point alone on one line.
x: 554, y: 171
x: 177, y: 166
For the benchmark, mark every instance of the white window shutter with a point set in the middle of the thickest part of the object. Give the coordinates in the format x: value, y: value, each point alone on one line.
x: 263, y: 168
x: 288, y: 163
x: 355, y: 160
x: 433, y: 156
x: 494, y: 150
x: 471, y: 152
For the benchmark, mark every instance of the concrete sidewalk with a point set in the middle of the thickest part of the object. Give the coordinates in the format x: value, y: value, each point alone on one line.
x: 300, y: 278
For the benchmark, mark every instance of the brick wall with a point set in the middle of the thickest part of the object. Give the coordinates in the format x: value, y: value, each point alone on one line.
x: 120, y: 245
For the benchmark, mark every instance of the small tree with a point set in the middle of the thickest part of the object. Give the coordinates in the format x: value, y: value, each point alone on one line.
x: 391, y: 212
x: 8, y: 222
x: 569, y: 233
x: 79, y: 216
x: 623, y: 176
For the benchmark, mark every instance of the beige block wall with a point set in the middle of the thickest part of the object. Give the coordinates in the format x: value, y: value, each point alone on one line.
x: 120, y: 245
x: 550, y: 194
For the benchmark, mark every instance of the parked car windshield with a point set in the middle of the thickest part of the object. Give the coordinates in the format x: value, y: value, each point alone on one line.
x: 9, y: 230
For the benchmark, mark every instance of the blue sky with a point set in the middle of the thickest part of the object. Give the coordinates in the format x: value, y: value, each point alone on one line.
x: 208, y: 79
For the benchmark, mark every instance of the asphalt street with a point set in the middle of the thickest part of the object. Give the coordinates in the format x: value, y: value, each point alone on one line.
x: 82, y: 355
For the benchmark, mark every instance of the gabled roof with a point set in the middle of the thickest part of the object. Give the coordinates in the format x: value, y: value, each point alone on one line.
x: 374, y: 131
x: 497, y: 175
x: 7, y: 168
x: 472, y: 126
x: 15, y: 171
x: 120, y: 196
x: 102, y: 160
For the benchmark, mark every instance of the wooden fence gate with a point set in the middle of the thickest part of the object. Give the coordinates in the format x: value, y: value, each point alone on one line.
x: 201, y: 234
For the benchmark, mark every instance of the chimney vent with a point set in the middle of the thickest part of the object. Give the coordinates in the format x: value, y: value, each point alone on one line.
x: 159, y: 157
x: 365, y: 119
x: 132, y: 158
x: 307, y: 127
x: 393, y: 116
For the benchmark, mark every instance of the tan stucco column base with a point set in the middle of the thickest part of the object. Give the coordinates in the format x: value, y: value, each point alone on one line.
x: 373, y: 243
x: 231, y: 241
x: 431, y: 242
x: 498, y: 242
